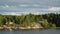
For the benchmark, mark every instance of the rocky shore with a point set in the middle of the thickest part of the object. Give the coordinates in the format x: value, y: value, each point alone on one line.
x: 18, y: 28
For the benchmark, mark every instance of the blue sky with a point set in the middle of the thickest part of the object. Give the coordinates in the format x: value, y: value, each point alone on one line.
x: 18, y: 7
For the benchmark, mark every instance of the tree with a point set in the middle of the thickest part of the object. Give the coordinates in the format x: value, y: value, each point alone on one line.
x: 46, y: 24
x: 53, y: 26
x: 2, y: 20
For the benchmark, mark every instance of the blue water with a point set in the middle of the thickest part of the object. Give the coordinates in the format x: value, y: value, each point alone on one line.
x: 36, y: 31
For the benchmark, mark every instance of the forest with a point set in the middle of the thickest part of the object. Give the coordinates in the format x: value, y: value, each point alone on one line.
x: 50, y: 20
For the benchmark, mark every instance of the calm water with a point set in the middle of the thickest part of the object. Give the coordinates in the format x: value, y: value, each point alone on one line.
x: 37, y: 31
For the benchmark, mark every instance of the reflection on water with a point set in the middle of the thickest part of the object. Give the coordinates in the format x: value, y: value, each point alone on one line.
x: 36, y: 31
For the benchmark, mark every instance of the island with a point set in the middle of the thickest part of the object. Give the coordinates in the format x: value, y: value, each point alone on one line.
x: 29, y: 21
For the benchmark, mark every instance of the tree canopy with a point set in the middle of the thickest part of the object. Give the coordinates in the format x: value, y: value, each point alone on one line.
x: 30, y: 18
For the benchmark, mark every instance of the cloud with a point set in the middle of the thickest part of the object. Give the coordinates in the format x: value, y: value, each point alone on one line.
x: 9, y: 13
x: 54, y: 9
x: 15, y: 13
x: 18, y: 7
x: 23, y: 5
x: 18, y: 10
x: 29, y: 5
x: 5, y: 6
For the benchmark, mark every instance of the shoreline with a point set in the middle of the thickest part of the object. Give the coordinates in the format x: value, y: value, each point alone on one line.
x: 19, y: 28
x: 23, y: 28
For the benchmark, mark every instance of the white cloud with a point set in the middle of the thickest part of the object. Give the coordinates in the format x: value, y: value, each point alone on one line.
x: 54, y: 9
x: 29, y: 5
x: 13, y: 13
x: 36, y: 5
x: 5, y: 6
x: 23, y: 5
x: 15, y: 10
x: 10, y: 13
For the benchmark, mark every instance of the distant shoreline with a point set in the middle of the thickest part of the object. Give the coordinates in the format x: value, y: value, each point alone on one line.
x: 22, y: 28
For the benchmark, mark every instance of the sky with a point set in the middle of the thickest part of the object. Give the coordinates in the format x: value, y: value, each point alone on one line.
x: 18, y: 7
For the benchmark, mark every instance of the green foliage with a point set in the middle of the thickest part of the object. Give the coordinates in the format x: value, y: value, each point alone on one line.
x: 2, y: 20
x: 26, y: 20
x: 46, y: 24
x: 53, y: 26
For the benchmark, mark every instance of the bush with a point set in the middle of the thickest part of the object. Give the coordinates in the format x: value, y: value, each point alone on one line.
x: 53, y: 26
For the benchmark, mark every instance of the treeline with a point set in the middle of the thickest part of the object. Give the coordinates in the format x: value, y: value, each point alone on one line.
x: 30, y: 18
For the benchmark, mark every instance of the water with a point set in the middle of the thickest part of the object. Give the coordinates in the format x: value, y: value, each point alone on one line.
x: 36, y: 31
